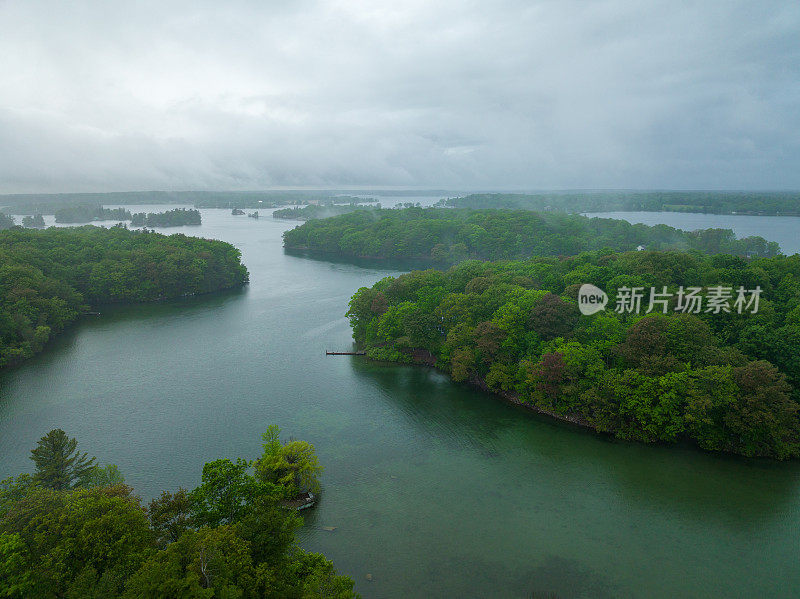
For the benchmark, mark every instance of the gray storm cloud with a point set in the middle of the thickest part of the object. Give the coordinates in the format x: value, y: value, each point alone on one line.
x: 111, y: 96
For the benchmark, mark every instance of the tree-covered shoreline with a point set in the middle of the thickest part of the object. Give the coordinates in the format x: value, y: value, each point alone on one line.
x: 177, y: 217
x: 314, y: 211
x: 48, y: 278
x: 35, y: 221
x: 86, y: 213
x: 74, y: 529
x: 728, y: 382
x: 447, y: 236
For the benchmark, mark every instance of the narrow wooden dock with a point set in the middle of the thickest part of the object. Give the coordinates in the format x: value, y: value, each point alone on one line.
x: 345, y: 353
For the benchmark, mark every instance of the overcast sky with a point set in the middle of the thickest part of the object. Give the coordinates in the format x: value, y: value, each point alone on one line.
x: 111, y: 95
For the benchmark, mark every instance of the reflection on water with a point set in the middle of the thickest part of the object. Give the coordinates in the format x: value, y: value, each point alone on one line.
x: 557, y: 497
x: 735, y: 491
x: 404, y: 264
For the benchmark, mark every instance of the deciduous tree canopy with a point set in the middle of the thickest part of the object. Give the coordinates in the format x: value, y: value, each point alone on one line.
x: 230, y: 537
x: 449, y: 236
x: 729, y: 381
x: 48, y: 277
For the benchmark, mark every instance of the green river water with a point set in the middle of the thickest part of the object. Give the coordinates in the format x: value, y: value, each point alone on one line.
x: 435, y: 489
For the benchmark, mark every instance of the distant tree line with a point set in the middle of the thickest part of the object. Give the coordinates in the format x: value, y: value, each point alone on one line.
x: 85, y: 213
x: 74, y: 529
x: 49, y: 203
x: 89, y: 213
x: 171, y: 218
x: 727, y: 381
x: 448, y: 236
x: 48, y: 277
x: 313, y: 211
x: 714, y: 202
x: 6, y: 221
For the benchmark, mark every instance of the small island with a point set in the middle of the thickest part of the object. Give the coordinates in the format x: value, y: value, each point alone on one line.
x: 33, y: 222
x: 171, y: 218
x: 86, y: 213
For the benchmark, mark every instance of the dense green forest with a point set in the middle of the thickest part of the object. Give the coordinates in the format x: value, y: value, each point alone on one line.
x: 48, y: 277
x: 86, y: 213
x: 729, y: 381
x: 74, y: 529
x: 715, y: 202
x: 449, y: 236
x: 313, y: 211
x: 170, y: 218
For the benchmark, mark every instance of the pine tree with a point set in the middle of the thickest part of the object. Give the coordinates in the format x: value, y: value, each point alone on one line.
x: 58, y: 464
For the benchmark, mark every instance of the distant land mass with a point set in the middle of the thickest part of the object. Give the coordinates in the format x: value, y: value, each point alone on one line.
x: 48, y: 203
x: 760, y: 203
x: 448, y: 236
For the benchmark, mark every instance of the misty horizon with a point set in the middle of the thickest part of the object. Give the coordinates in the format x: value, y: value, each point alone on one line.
x: 402, y: 191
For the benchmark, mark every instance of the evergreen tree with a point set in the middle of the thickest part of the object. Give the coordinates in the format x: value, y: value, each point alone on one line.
x: 59, y: 465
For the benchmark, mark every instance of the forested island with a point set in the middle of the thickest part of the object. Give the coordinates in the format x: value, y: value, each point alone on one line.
x: 447, y: 236
x: 314, y: 211
x: 171, y: 218
x: 49, y: 277
x: 727, y: 381
x: 74, y: 529
x: 775, y: 203
x: 86, y: 213
x: 35, y: 221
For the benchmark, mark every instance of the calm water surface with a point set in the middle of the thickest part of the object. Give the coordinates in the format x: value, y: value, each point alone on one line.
x: 436, y: 490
